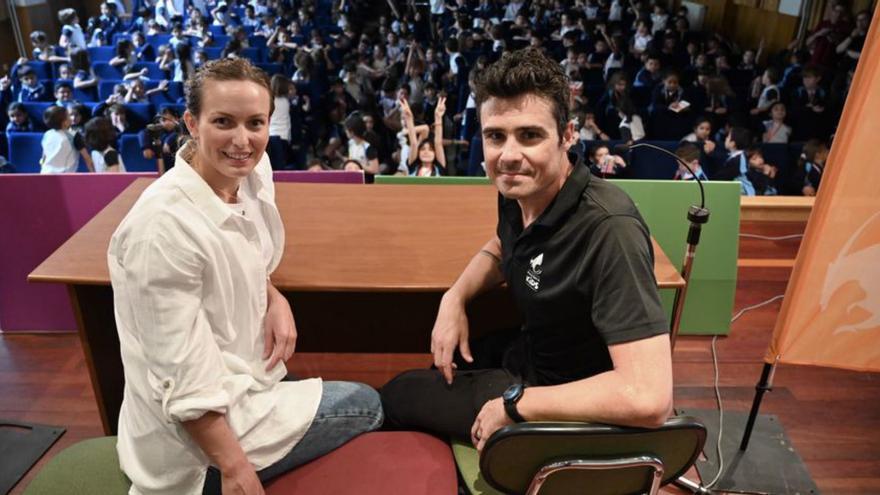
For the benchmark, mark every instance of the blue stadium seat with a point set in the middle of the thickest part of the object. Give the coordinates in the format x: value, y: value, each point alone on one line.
x: 105, y: 88
x: 214, y: 52
x: 178, y: 107
x: 252, y: 54
x: 101, y: 53
x: 257, y: 42
x: 221, y: 39
x: 86, y: 95
x: 217, y: 30
x: 172, y: 95
x: 651, y: 164
x: 42, y: 69
x: 157, y: 40
x: 153, y: 70
x: 132, y: 156
x: 35, y: 111
x: 139, y: 114
x: 120, y: 36
x: 106, y: 71
x: 271, y: 69
x: 25, y: 151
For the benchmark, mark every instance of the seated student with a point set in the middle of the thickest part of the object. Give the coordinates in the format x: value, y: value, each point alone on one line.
x: 769, y: 92
x: 429, y: 158
x: 136, y: 91
x: 352, y: 166
x: 809, y: 107
x: 690, y: 154
x: 775, y: 129
x: 43, y: 50
x: 810, y: 167
x: 736, y: 166
x: 84, y: 76
x: 18, y: 119
x: 108, y: 21
x: 31, y: 88
x: 670, y: 112
x: 79, y: 115
x: 358, y: 148
x: 649, y: 75
x: 61, y: 147
x: 124, y: 57
x: 159, y: 140
x: 72, y: 36
x: 143, y: 51
x: 64, y: 95
x: 589, y: 129
x: 761, y: 174
x: 604, y: 164
x: 631, y: 126
x: 101, y: 138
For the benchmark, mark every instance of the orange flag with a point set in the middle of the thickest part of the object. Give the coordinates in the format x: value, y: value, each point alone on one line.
x: 831, y: 312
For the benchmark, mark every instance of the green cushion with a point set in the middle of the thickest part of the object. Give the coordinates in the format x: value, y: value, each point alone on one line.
x: 90, y: 466
x: 468, y: 461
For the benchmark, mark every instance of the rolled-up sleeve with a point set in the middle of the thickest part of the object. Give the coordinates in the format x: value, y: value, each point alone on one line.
x: 183, y: 360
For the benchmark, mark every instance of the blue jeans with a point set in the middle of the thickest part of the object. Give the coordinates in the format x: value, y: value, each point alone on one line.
x: 347, y: 409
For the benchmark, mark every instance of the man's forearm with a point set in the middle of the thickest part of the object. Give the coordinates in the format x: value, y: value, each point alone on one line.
x: 638, y: 392
x: 482, y: 273
x: 214, y: 436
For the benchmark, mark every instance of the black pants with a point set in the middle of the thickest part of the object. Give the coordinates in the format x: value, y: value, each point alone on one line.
x: 422, y: 400
x: 278, y: 152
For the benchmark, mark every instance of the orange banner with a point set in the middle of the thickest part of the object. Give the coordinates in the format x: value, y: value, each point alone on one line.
x: 831, y: 312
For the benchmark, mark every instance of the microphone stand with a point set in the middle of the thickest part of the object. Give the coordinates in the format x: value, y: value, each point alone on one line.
x: 697, y: 216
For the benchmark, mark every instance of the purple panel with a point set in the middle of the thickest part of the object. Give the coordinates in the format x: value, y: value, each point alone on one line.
x: 323, y: 177
x: 43, y: 211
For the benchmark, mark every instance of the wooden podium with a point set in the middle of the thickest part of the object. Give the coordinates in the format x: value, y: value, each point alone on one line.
x: 364, y: 268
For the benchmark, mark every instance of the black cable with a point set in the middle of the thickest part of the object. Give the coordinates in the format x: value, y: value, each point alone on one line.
x: 679, y: 160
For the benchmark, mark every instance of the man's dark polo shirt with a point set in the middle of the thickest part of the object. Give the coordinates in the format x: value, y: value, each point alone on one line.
x: 582, y: 274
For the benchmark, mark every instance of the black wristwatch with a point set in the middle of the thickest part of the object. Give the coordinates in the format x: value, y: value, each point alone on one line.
x: 511, y: 396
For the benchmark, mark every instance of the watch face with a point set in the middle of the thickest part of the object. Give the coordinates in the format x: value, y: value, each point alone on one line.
x: 512, y: 392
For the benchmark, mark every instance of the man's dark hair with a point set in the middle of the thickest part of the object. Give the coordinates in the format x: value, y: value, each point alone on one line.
x: 526, y: 71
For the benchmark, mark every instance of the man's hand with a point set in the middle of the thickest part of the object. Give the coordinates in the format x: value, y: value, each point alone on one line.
x: 492, y: 417
x: 450, y: 331
x: 241, y: 480
x: 279, y: 329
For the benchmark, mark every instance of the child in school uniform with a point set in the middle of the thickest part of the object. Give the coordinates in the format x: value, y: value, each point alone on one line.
x: 769, y: 92
x: 101, y: 138
x: 736, y: 165
x: 811, y: 166
x: 18, y: 119
x: 31, y: 88
x: 61, y: 147
x: 761, y: 174
x: 690, y: 154
x: 775, y: 129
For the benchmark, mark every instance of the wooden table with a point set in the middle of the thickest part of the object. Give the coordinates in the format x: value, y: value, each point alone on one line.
x: 364, y: 269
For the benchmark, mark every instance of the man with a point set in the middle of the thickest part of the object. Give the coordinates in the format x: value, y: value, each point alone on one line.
x: 576, y: 256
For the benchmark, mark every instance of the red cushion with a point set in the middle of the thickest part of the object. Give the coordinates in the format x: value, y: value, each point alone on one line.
x: 376, y: 463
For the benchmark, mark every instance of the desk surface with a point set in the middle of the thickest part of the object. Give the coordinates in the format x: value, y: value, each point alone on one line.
x: 340, y: 238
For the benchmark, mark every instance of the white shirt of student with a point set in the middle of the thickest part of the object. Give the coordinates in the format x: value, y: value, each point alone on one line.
x: 189, y: 278
x: 100, y: 163
x: 59, y: 154
x: 279, y: 122
x: 77, y: 38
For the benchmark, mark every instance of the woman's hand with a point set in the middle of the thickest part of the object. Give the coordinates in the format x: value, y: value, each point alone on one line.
x: 279, y: 328
x: 241, y: 481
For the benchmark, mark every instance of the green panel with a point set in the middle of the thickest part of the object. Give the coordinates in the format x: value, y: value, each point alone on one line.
x: 431, y: 181
x: 467, y: 459
x: 664, y: 205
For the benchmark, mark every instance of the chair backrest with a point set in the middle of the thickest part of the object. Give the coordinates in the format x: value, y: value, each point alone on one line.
x: 132, y: 155
x: 515, y: 454
x: 25, y: 150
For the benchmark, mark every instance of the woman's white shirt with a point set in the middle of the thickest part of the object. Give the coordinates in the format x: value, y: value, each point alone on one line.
x: 189, y: 278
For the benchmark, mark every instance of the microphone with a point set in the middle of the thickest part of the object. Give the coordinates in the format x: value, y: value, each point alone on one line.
x: 698, y: 216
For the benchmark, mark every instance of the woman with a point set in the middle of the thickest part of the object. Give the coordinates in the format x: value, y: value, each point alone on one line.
x: 429, y: 160
x: 203, y: 333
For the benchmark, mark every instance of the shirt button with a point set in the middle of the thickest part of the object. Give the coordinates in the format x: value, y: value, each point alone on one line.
x: 166, y: 385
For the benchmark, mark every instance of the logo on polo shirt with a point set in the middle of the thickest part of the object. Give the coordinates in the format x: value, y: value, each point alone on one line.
x: 533, y: 275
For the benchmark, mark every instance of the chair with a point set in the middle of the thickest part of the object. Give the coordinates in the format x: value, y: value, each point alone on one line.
x: 133, y: 157
x: 564, y: 458
x: 25, y: 150
x: 373, y: 463
x: 106, y: 71
x: 101, y: 53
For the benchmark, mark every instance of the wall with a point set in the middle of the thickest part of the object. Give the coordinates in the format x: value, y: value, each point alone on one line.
x: 747, y: 21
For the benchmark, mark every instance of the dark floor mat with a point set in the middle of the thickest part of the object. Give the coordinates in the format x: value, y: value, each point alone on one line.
x: 21, y: 446
x: 769, y: 465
